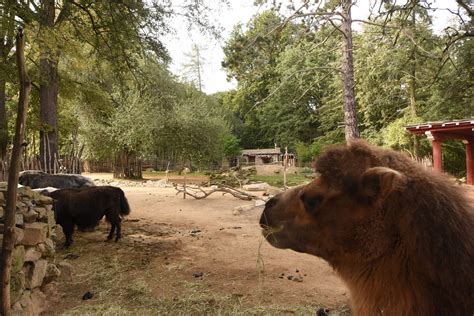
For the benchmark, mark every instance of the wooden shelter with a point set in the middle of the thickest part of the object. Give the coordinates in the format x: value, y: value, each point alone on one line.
x: 266, y: 156
x: 437, y: 132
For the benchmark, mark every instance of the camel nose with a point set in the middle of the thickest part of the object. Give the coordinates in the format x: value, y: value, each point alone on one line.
x: 271, y: 203
x: 265, y: 218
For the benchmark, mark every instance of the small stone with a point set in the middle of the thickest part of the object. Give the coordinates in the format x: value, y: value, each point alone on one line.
x: 2, y: 211
x: 67, y: 270
x: 19, y: 222
x: 35, y: 233
x: 41, y: 212
x: 52, y: 273
x: 49, y: 219
x: 39, y: 303
x: 47, y: 248
x: 25, y: 191
x: 30, y: 216
x: 198, y: 275
x: 19, y: 235
x: 57, y: 234
x: 17, y: 284
x: 31, y: 254
x: 20, y: 204
x: 17, y: 310
x: 256, y: 187
x: 87, y: 296
x: 35, y: 273
x: 26, y: 304
x: 18, y: 258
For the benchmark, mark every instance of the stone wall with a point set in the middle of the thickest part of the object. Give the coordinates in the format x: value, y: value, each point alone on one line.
x: 33, y: 255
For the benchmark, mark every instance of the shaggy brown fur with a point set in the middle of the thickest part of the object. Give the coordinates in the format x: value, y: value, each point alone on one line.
x: 399, y: 235
x: 85, y: 208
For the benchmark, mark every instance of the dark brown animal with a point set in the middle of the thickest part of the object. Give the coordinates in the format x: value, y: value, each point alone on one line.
x: 38, y: 179
x: 85, y: 208
x: 399, y: 235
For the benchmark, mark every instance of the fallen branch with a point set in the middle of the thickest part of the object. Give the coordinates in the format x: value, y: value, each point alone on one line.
x: 199, y: 193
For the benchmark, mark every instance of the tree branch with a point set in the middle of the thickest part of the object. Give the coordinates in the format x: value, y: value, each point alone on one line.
x: 200, y: 193
x: 466, y: 7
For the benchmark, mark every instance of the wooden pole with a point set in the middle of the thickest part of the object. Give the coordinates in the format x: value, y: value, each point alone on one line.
x: 285, y: 164
x: 9, y: 230
x: 185, y: 171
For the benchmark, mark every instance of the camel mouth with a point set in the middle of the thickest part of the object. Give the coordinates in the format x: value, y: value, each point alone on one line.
x: 274, y: 237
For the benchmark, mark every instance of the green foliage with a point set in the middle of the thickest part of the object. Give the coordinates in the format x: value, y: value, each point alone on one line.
x: 289, y: 88
x: 231, y: 145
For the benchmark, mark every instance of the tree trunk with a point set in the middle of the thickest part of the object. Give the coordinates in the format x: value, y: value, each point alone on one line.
x: 7, y: 39
x: 9, y: 226
x: 350, y: 108
x: 48, y: 91
x: 3, y: 120
x: 412, y: 84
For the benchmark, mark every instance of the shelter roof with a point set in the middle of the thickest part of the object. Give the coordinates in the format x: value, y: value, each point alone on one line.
x: 456, y: 129
x: 264, y: 151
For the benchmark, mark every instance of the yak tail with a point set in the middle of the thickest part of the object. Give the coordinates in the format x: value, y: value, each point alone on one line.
x: 124, y: 208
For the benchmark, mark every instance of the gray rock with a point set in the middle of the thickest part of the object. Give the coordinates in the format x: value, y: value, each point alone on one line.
x: 17, y: 310
x: 25, y: 192
x: 35, y: 233
x: 32, y: 254
x: 19, y: 235
x: 47, y: 248
x: 67, y: 271
x: 242, y: 209
x: 57, y: 234
x: 41, y: 212
x: 35, y: 273
x: 19, y: 220
x: 17, y: 285
x: 38, y: 301
x: 256, y: 187
x: 45, y: 200
x: 26, y: 303
x: 52, y: 273
x: 18, y: 258
x: 29, y: 216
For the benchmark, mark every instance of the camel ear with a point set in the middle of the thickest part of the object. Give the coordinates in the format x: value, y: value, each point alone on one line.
x: 377, y: 183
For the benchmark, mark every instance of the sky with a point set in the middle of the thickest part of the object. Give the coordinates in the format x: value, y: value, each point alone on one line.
x: 213, y: 76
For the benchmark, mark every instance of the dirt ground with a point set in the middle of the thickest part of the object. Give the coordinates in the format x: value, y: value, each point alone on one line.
x: 185, y: 256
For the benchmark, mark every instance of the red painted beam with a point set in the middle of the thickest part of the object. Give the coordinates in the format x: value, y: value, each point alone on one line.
x: 470, y: 161
x: 437, y: 155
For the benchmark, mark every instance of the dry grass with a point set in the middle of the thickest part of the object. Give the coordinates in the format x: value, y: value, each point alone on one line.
x: 121, y: 276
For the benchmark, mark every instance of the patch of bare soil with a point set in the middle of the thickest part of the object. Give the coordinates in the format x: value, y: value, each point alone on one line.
x: 185, y: 256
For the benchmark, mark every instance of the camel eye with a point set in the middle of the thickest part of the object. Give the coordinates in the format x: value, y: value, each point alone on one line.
x: 311, y: 202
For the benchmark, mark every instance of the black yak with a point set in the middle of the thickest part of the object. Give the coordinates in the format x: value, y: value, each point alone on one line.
x: 85, y: 208
x: 39, y: 179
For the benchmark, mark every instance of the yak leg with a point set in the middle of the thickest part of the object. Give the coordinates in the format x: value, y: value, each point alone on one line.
x: 119, y: 230
x: 112, y: 230
x: 68, y: 228
x: 114, y: 220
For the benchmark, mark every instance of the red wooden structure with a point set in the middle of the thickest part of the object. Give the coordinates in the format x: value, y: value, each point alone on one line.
x: 438, y: 132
